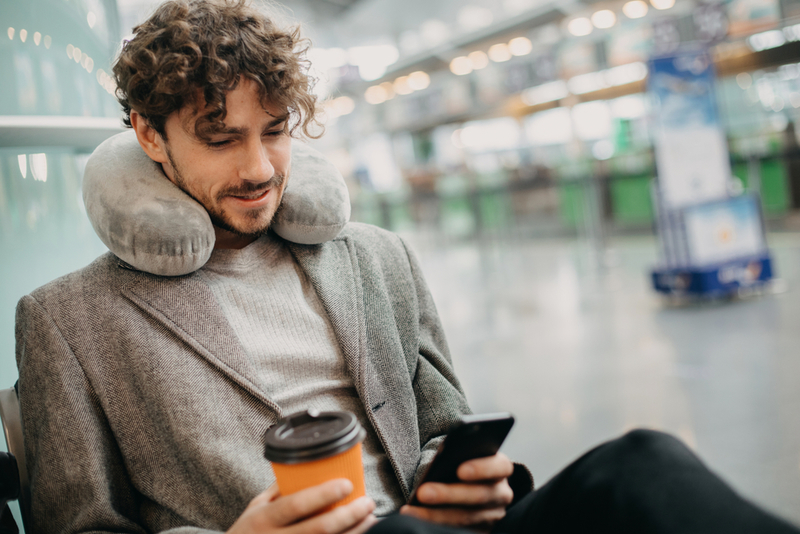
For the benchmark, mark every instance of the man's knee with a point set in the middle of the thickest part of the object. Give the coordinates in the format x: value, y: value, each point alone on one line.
x: 624, y: 469
x: 647, y: 441
x: 651, y: 447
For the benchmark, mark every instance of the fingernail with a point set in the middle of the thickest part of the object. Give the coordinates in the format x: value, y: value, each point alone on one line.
x: 366, y: 503
x: 345, y: 487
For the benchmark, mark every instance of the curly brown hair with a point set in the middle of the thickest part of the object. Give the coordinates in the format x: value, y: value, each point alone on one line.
x: 193, y: 47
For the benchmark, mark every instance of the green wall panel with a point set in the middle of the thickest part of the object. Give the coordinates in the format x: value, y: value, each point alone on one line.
x: 775, y: 198
x: 631, y: 200
x: 571, y: 203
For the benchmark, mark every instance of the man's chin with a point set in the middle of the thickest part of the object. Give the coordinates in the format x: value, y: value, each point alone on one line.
x: 252, y: 231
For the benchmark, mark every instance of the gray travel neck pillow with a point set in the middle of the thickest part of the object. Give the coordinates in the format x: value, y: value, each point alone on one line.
x: 151, y: 224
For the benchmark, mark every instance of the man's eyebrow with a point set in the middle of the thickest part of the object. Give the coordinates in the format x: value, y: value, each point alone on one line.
x: 279, y: 119
x: 234, y: 130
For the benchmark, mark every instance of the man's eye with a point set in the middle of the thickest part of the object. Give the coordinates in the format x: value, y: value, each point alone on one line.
x: 218, y: 144
x: 278, y: 130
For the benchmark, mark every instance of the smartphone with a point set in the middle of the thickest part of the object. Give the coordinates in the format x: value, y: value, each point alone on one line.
x: 476, y: 436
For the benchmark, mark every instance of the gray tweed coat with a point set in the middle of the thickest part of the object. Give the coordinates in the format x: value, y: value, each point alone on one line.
x: 141, y: 411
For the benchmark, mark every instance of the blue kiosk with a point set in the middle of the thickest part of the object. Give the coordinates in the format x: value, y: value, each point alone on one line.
x: 711, y: 236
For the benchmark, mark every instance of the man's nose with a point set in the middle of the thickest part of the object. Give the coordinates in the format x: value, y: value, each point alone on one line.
x: 255, y: 164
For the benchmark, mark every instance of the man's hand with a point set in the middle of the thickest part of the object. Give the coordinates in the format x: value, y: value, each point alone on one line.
x: 299, y: 513
x: 477, y: 502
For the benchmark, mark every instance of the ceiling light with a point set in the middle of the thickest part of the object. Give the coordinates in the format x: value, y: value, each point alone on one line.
x: 47, y: 41
x: 402, y: 87
x: 337, y: 107
x: 326, y: 59
x: 520, y: 46
x: 662, y: 4
x: 635, y: 9
x: 548, y: 92
x: 595, y: 81
x: 461, y: 66
x: 373, y: 60
x: 337, y: 57
x: 629, y: 107
x: 580, y: 26
x: 389, y: 88
x: 605, y: 18
x: 603, y: 149
x: 371, y: 72
x: 478, y: 59
x: 23, y: 34
x: 587, y: 83
x: 37, y: 38
x: 91, y: 18
x: 766, y: 40
x: 499, y: 53
x: 419, y: 80
x: 624, y: 74
x: 345, y: 104
x: 11, y: 33
x: 375, y: 95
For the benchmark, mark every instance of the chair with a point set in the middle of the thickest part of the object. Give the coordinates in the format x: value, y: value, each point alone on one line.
x: 12, y: 428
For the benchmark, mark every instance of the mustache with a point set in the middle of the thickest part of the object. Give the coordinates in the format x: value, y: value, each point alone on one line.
x: 249, y: 188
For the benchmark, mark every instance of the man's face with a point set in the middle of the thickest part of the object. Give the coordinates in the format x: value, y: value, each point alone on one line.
x: 239, y: 175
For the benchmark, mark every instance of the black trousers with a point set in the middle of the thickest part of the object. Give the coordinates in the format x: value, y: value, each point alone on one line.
x: 643, y: 482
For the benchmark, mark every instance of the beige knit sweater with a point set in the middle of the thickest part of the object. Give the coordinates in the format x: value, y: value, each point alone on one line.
x: 284, y: 329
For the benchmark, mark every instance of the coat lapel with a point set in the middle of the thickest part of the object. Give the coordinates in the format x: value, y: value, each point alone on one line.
x: 187, y: 307
x: 335, y: 274
x: 333, y: 271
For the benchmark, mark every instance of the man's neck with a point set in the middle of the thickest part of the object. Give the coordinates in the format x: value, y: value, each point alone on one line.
x: 226, y: 239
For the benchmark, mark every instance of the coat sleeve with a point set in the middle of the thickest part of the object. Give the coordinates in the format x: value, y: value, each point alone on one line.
x: 440, y: 398
x: 77, y: 476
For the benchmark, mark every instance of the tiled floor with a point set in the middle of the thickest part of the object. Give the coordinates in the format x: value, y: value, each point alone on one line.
x: 581, y: 354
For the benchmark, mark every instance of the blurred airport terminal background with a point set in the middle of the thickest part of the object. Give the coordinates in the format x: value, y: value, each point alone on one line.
x: 513, y: 143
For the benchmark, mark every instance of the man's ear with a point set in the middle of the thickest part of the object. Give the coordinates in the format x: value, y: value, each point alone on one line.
x: 151, y: 142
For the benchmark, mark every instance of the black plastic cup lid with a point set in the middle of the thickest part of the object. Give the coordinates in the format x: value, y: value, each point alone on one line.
x: 312, y: 435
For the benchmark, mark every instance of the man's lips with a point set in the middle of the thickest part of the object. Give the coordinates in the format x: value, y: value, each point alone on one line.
x: 252, y: 198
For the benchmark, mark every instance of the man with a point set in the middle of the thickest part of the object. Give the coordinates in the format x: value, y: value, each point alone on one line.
x: 145, y: 398
x: 130, y: 384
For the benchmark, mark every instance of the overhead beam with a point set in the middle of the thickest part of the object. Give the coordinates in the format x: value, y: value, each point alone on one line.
x: 35, y: 131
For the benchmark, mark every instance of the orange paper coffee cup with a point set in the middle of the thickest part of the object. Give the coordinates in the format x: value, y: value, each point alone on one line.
x: 309, y: 448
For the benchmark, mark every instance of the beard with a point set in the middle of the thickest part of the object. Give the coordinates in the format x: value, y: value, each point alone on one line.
x: 218, y: 215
